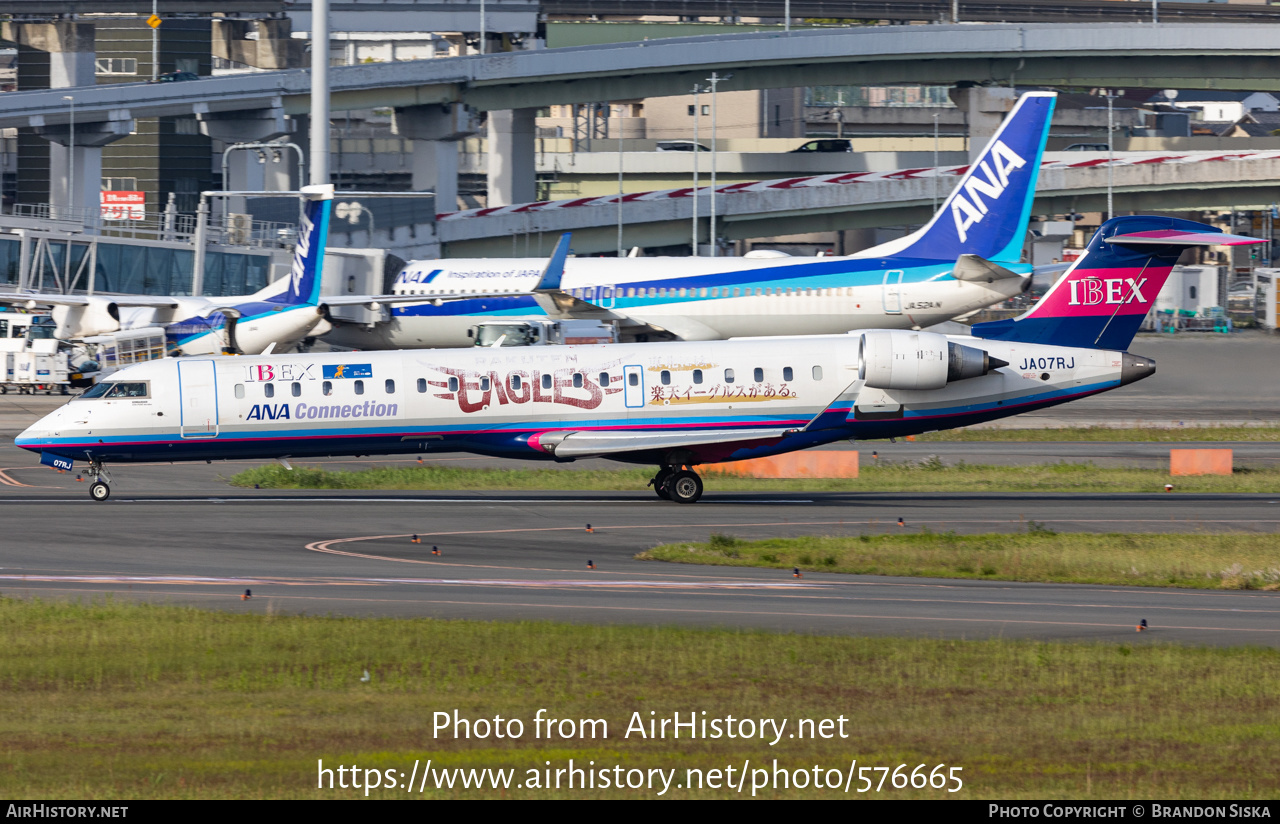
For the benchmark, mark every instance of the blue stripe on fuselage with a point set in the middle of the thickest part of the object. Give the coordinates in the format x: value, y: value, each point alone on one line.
x: 820, y: 274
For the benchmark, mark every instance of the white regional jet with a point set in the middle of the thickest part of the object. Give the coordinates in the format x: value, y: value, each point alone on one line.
x: 673, y: 405
x: 965, y: 258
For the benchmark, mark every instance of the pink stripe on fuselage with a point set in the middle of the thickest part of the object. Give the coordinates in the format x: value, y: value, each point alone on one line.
x: 1102, y: 291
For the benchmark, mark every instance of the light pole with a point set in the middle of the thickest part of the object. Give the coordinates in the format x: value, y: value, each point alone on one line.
x: 71, y: 151
x: 319, y: 91
x: 714, y: 80
x: 155, y: 43
x: 619, y: 181
x: 696, y: 149
x: 1111, y: 158
x: 484, y: 34
x: 935, y: 161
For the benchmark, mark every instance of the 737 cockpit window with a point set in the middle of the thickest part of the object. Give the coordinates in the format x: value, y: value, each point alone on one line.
x: 118, y: 389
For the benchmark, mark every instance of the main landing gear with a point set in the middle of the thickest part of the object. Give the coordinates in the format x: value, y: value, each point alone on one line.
x: 677, y: 484
x: 99, y: 490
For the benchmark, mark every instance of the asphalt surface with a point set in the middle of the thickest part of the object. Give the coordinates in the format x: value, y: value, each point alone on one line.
x: 525, y: 556
x: 179, y: 534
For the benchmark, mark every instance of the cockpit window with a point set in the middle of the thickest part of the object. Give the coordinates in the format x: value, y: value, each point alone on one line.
x: 118, y: 389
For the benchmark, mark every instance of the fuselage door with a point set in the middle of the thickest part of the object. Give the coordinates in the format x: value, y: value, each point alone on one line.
x: 633, y: 383
x: 198, y: 391
x: 604, y: 296
x: 893, y: 292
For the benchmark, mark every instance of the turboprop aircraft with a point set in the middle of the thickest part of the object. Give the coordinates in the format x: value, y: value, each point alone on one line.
x: 282, y: 313
x: 674, y: 405
x: 966, y: 257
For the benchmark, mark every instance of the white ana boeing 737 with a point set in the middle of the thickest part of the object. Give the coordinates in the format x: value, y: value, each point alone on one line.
x: 672, y: 405
x: 966, y: 257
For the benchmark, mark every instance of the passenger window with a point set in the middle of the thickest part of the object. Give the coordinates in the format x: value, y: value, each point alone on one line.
x: 728, y: 376
x: 391, y: 387
x: 737, y: 292
x: 666, y: 377
x: 817, y: 373
x: 269, y: 390
x: 697, y: 376
x: 758, y: 375
x: 515, y: 382
x: 326, y: 388
x: 295, y: 389
x: 577, y: 380
x: 546, y: 381
x: 359, y: 387
x: 453, y: 384
x: 484, y: 384
x: 633, y: 379
x: 422, y: 384
x: 604, y: 379
x: 787, y: 374
x: 704, y: 292
x: 631, y: 293
x: 239, y: 390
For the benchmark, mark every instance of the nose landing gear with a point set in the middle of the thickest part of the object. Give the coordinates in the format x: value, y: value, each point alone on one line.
x: 99, y: 489
x: 677, y: 484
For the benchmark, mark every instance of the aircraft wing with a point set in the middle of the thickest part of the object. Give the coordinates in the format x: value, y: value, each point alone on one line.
x: 581, y: 444
x: 978, y: 269
x: 378, y: 301
x: 52, y: 299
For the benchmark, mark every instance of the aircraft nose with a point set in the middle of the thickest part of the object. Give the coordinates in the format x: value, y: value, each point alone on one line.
x: 1135, y: 368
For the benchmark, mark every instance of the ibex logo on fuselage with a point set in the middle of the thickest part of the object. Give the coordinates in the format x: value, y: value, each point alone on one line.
x: 967, y: 206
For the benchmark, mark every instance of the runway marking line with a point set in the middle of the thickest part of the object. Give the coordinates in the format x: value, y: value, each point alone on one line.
x: 615, y: 608
x: 808, y: 591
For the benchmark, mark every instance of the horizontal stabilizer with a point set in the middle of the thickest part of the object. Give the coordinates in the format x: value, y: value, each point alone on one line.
x: 1167, y: 237
x: 980, y: 270
x: 591, y: 443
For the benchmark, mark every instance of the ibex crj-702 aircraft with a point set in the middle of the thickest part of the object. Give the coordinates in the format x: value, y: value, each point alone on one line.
x: 964, y: 259
x: 282, y: 313
x: 673, y: 405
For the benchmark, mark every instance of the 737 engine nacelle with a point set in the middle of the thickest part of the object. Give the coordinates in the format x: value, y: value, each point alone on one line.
x: 899, y: 359
x: 98, y: 317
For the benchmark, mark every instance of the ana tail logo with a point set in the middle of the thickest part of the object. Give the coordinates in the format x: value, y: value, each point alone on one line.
x: 968, y: 207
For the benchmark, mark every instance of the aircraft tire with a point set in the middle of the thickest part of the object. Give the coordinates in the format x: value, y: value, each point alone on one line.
x: 684, y: 487
x: 99, y: 491
x: 660, y: 482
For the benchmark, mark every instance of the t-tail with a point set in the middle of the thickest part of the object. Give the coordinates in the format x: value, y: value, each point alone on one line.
x: 987, y: 212
x: 303, y: 283
x: 1100, y: 302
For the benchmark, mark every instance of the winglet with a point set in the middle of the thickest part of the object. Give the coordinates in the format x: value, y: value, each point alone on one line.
x: 836, y: 412
x: 550, y: 280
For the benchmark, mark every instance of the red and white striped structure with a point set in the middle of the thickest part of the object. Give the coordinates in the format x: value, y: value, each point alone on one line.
x: 1089, y: 161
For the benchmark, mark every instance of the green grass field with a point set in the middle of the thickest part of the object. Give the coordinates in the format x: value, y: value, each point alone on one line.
x: 921, y: 476
x: 1076, y: 434
x: 1201, y: 561
x: 115, y: 701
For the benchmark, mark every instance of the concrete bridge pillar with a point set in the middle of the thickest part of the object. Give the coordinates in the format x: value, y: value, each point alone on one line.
x: 984, y: 107
x: 247, y: 171
x: 75, y: 160
x: 53, y: 55
x: 512, y: 152
x: 435, y: 132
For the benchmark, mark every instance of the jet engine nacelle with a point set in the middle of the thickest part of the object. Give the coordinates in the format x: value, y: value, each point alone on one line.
x: 899, y: 359
x: 99, y: 316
